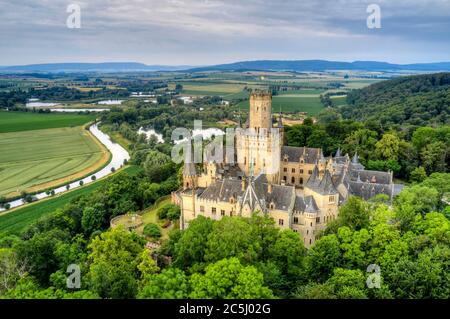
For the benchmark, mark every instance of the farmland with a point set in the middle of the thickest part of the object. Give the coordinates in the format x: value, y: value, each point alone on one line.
x: 26, y: 121
x: 34, y: 156
x: 16, y: 220
x: 299, y: 103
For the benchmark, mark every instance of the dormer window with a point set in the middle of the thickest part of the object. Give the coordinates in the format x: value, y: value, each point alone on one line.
x: 271, y: 206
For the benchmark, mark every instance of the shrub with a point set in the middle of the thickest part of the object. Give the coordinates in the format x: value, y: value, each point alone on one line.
x: 152, y: 230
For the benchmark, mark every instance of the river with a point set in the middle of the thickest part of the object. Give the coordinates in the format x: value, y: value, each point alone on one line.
x: 119, y: 155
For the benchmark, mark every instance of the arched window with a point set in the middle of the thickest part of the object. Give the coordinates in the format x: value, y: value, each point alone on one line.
x: 293, y: 180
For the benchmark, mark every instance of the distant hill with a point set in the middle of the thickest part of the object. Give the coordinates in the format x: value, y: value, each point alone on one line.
x: 90, y: 67
x: 415, y: 100
x: 261, y: 65
x: 322, y: 65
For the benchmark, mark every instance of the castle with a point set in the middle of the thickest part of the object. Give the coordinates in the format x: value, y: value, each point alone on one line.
x: 298, y: 187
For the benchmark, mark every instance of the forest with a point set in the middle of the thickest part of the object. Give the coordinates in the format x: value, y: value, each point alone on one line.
x: 419, y: 100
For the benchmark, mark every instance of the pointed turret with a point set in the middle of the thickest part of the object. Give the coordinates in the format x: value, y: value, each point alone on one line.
x: 280, y: 119
x: 338, y: 152
x: 314, y: 179
x: 355, y: 159
x: 326, y: 185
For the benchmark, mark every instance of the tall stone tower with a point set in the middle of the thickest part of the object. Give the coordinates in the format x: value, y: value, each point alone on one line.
x: 260, y: 110
x: 259, y: 146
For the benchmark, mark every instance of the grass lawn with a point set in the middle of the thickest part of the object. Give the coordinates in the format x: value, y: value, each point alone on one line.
x: 38, y: 159
x: 26, y: 121
x: 150, y: 216
x: 308, y: 104
x: 18, y: 219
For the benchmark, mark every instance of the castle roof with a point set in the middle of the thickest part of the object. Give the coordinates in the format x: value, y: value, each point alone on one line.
x: 305, y: 204
x: 326, y: 186
x: 314, y: 179
x: 310, y: 155
x: 371, y: 176
x: 223, y: 190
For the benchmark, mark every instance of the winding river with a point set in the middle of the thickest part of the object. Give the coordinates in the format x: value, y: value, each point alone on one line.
x: 119, y: 155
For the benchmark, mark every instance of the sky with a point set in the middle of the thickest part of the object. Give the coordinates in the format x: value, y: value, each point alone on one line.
x: 205, y: 32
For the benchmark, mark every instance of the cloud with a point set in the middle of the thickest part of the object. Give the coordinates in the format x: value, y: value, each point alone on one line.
x: 213, y: 31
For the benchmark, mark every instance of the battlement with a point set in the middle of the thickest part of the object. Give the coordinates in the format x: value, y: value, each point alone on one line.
x: 261, y: 94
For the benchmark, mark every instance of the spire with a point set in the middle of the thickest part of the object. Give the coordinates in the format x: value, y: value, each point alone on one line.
x: 338, y: 152
x: 189, y: 166
x: 314, y: 180
x: 326, y: 184
x: 355, y: 159
x: 280, y: 119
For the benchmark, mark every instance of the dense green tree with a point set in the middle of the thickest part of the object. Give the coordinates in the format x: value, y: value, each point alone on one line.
x: 323, y: 257
x: 190, y: 248
x: 348, y: 284
x: 171, y: 283
x: 418, y: 174
x: 388, y: 146
x: 113, y: 262
x: 232, y: 237
x: 288, y: 254
x: 229, y: 279
x: 355, y: 214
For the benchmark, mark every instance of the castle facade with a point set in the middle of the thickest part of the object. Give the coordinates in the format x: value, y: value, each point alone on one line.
x: 298, y: 187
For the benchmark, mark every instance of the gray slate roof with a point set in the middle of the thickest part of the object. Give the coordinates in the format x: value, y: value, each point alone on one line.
x: 311, y: 155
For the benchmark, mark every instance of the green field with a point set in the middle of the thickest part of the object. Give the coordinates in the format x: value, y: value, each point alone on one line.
x: 16, y: 220
x: 30, y: 160
x: 26, y: 121
x: 339, y: 100
x: 308, y: 104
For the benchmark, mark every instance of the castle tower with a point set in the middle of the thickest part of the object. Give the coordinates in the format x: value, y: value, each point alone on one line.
x: 260, y: 145
x: 260, y: 110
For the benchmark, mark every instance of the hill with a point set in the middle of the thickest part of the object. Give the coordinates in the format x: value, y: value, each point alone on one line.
x: 264, y: 65
x: 415, y: 100
x: 322, y: 65
x: 89, y: 67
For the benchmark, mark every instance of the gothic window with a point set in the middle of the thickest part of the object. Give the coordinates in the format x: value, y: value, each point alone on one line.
x: 295, y: 220
x: 293, y: 180
x: 213, y: 210
x: 285, y: 169
x: 222, y: 212
x: 281, y: 222
x: 301, y: 180
x: 293, y: 170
